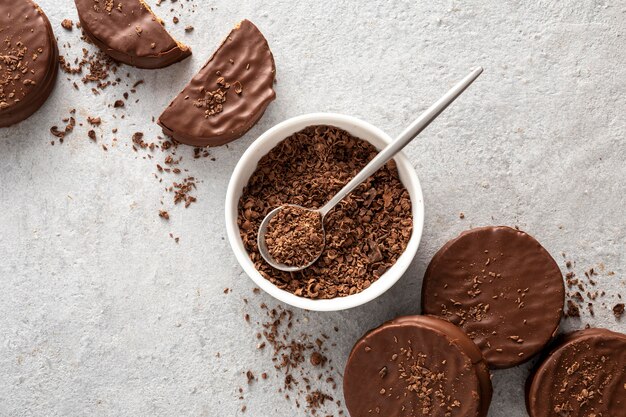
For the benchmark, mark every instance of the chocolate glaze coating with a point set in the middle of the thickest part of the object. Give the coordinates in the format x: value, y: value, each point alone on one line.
x: 391, y: 367
x: 501, y: 287
x: 129, y: 32
x: 244, y: 62
x: 28, y: 60
x: 584, y: 375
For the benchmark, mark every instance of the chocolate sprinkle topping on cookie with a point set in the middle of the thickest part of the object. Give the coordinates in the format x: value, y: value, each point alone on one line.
x: 584, y: 375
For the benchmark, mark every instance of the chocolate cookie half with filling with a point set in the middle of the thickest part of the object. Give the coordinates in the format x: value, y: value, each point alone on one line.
x: 28, y: 60
x: 501, y: 287
x: 584, y: 375
x: 416, y: 366
x: 130, y: 32
x: 228, y: 95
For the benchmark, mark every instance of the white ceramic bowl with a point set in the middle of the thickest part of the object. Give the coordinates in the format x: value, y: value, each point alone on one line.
x: 248, y: 163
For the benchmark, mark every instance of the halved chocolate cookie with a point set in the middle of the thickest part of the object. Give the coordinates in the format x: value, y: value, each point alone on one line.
x: 501, y: 287
x: 130, y: 32
x: 416, y: 366
x: 229, y: 94
x: 584, y: 375
x: 28, y: 60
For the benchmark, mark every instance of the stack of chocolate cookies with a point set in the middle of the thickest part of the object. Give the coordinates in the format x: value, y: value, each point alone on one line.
x: 28, y: 60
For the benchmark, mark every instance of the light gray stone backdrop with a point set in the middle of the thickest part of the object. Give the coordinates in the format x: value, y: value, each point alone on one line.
x: 103, y: 314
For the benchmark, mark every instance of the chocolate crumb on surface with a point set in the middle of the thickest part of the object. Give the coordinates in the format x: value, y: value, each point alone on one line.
x: 295, y: 236
x: 618, y: 310
x: 300, y: 370
x: 96, y: 121
x: 572, y: 309
x: 67, y: 24
x: 365, y: 234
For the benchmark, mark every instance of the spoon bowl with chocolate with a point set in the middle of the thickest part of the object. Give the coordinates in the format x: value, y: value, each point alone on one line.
x: 292, y: 237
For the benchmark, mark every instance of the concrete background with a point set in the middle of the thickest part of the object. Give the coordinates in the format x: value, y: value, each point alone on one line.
x: 103, y: 314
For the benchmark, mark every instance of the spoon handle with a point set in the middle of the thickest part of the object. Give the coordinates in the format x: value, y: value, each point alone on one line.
x: 401, y: 141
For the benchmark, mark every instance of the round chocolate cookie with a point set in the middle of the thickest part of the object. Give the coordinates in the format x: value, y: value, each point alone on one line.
x: 501, y: 287
x: 416, y: 366
x: 585, y: 375
x: 129, y: 32
x: 28, y: 60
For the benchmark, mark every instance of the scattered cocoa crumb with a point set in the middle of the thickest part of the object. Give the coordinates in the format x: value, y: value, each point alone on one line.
x: 69, y: 127
x: 301, y: 379
x: 182, y: 191
x: 96, y: 121
x: 67, y: 24
x: 461, y: 215
x: 118, y: 104
x: 250, y: 376
x: 316, y: 399
x: 572, y: 309
x: 618, y: 310
x: 92, y: 135
x: 317, y: 359
x: 188, y: 28
x: 164, y: 214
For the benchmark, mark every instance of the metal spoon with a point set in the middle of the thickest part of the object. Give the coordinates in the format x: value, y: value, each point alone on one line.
x: 374, y: 165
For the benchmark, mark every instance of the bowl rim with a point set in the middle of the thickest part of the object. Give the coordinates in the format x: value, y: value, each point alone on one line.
x: 253, y: 154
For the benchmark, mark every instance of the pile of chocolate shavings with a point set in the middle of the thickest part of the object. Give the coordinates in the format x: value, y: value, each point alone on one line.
x: 213, y: 101
x: 182, y: 191
x: 299, y: 361
x: 365, y: 234
x: 94, y: 67
x: 294, y: 236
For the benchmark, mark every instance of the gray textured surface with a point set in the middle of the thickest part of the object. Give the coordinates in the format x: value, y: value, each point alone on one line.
x: 102, y: 314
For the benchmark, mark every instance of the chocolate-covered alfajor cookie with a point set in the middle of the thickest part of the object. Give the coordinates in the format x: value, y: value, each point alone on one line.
x: 228, y: 95
x: 584, y: 375
x: 128, y: 31
x: 28, y: 60
x: 501, y: 287
x: 416, y: 366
